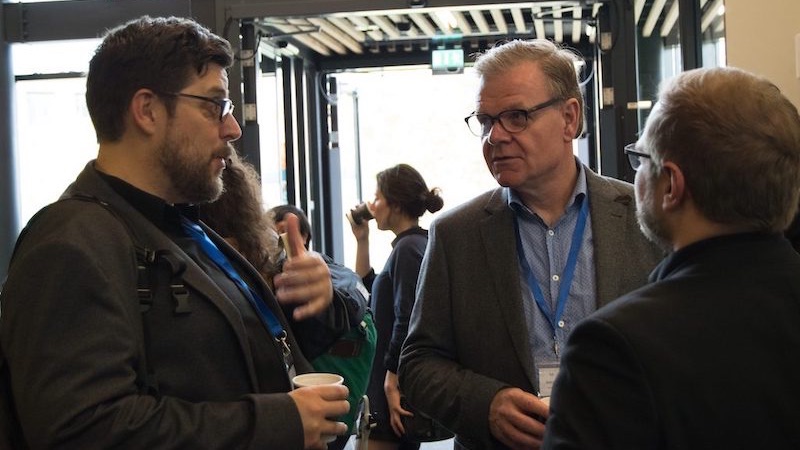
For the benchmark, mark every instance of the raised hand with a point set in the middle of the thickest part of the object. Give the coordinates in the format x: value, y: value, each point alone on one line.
x: 360, y: 230
x: 305, y: 281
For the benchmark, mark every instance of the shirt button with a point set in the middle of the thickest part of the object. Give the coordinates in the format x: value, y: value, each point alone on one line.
x: 555, y: 278
x: 561, y: 324
x: 551, y: 232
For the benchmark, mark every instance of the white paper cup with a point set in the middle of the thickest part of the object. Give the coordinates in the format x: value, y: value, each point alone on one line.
x: 316, y: 379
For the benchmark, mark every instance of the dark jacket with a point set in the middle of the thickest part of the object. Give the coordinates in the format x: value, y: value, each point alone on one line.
x: 78, y: 346
x: 704, y: 358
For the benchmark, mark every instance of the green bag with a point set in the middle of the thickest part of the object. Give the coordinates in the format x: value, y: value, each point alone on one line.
x: 351, y: 357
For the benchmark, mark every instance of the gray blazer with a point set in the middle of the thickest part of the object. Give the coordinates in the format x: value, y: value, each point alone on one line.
x: 468, y: 335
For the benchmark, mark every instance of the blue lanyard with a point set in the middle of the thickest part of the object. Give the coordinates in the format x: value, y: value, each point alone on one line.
x: 268, y: 319
x: 569, y: 269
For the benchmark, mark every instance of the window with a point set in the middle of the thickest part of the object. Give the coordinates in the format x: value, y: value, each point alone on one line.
x: 407, y: 116
x: 54, y: 135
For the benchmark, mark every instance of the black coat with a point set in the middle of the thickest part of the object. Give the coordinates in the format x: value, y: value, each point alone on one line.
x: 704, y: 358
x: 72, y: 333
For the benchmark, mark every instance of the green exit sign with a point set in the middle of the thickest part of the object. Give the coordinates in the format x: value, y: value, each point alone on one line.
x: 447, y: 61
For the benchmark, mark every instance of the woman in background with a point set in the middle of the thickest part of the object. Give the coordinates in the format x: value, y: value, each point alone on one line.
x: 238, y: 215
x: 401, y: 198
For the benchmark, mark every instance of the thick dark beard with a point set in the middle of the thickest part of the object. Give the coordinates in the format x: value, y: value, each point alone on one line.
x: 190, y: 177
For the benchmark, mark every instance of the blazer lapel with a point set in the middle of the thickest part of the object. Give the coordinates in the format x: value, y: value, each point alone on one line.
x: 499, y: 242
x: 609, y: 210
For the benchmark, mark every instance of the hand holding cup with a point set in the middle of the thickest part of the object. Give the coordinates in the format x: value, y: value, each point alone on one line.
x: 320, y: 399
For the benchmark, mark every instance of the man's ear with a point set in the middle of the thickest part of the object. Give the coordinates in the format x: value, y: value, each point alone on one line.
x: 572, y: 118
x: 145, y: 110
x: 676, y: 191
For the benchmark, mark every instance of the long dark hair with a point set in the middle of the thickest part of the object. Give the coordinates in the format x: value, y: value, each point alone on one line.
x: 239, y: 214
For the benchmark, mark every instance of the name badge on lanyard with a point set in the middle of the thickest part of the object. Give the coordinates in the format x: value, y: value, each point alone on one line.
x: 547, y: 376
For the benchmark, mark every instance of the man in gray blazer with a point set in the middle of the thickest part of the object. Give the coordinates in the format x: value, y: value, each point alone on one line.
x: 128, y: 324
x: 507, y: 275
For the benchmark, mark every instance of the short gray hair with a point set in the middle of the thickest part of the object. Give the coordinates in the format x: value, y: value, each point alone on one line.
x: 557, y: 62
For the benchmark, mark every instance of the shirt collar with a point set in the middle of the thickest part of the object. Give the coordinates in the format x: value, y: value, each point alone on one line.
x: 413, y: 230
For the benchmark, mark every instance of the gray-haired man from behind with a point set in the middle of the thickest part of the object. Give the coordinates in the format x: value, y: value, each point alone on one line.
x: 706, y: 356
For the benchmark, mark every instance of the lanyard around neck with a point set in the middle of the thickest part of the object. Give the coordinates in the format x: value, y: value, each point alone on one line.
x: 569, y: 268
x: 269, y: 320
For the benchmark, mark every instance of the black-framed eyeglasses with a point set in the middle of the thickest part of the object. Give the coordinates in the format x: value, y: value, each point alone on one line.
x: 512, y: 120
x: 634, y: 156
x: 223, y: 105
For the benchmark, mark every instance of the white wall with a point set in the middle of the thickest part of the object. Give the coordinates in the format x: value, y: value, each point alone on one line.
x: 761, y: 38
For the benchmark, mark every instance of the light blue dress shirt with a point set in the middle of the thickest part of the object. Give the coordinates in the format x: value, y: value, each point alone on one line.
x: 546, y: 250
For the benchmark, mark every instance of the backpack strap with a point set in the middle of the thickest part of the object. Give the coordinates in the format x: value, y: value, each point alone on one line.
x: 147, y: 263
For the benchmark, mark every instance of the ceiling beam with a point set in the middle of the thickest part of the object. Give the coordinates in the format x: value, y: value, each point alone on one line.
x: 422, y: 22
x: 519, y: 20
x: 373, y: 31
x: 652, y: 18
x: 386, y: 25
x: 538, y: 23
x: 710, y: 14
x: 558, y: 25
x: 499, y: 21
x: 669, y: 20
x: 638, y: 6
x: 480, y: 21
x: 336, y: 33
x: 577, y: 24
x: 462, y: 22
x: 347, y: 26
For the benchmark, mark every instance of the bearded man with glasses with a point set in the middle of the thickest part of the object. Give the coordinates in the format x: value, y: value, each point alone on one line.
x: 508, y: 274
x: 129, y: 324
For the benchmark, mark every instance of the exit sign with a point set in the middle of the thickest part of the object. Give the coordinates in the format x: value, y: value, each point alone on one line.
x: 447, y: 61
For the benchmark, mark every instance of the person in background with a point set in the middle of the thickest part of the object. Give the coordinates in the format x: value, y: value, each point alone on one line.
x: 510, y: 273
x: 401, y: 198
x: 279, y: 214
x: 126, y: 323
x: 346, y: 280
x: 704, y: 357
x: 342, y: 277
x: 238, y: 215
